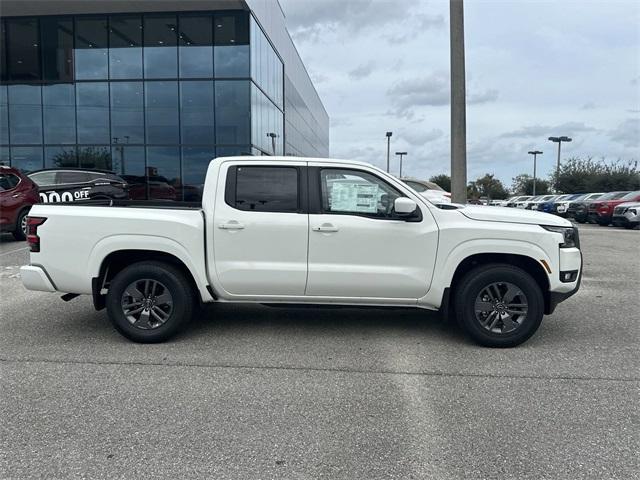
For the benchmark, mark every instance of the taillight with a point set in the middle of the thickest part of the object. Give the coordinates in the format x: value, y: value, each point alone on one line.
x: 32, y: 232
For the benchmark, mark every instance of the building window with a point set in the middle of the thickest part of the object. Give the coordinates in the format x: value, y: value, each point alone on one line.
x: 25, y: 112
x: 95, y: 156
x: 59, y: 105
x: 127, y: 112
x: 60, y: 156
x: 4, y: 115
x: 26, y: 159
x: 196, y: 112
x: 23, y: 49
x: 91, y: 53
x: 195, y: 161
x: 233, y: 111
x: 160, y: 46
x: 195, y: 38
x: 231, y: 39
x: 92, y: 100
x: 57, y: 48
x: 163, y: 172
x: 125, y: 47
x: 161, y: 110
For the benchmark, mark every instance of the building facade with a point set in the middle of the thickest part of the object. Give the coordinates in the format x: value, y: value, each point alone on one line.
x: 152, y: 90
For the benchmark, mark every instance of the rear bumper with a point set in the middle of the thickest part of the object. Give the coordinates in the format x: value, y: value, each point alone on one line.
x: 36, y: 278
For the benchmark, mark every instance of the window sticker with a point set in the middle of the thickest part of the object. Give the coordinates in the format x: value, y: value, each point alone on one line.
x: 352, y: 196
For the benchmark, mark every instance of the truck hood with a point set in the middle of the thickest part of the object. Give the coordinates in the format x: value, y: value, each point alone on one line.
x: 511, y: 215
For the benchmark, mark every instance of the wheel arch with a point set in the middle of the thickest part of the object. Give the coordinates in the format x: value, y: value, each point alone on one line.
x: 117, y: 260
x: 530, y: 265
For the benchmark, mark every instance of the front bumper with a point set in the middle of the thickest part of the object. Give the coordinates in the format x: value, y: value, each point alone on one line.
x: 557, y: 297
x: 36, y: 278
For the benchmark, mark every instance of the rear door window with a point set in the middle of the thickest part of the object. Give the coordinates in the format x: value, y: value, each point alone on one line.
x: 70, y: 177
x: 263, y: 189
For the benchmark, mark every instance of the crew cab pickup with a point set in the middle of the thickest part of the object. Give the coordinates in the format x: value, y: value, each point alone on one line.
x: 287, y: 230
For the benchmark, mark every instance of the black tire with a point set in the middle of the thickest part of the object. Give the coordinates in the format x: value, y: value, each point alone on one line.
x: 472, y: 285
x: 171, y: 279
x: 18, y: 232
x: 630, y: 226
x: 580, y: 220
x: 603, y: 224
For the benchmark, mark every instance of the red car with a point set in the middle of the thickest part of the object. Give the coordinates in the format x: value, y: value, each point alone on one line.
x: 601, y: 211
x: 17, y: 194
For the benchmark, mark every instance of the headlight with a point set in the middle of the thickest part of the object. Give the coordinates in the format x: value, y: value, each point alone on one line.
x: 632, y: 211
x: 570, y: 235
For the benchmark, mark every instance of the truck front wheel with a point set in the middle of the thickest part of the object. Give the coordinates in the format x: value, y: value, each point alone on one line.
x: 149, y: 302
x: 499, y: 305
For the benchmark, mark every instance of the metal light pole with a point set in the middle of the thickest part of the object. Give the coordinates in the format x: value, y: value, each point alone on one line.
x: 388, y: 148
x: 401, y: 154
x: 458, y: 104
x: 535, y: 153
x: 273, y: 141
x: 559, y: 141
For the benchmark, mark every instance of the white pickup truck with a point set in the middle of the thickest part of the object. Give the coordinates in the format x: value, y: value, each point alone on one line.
x: 305, y: 230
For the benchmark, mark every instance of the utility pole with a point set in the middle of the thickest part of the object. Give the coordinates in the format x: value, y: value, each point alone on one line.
x: 559, y: 141
x: 388, y: 148
x: 535, y: 153
x: 401, y: 154
x: 458, y: 104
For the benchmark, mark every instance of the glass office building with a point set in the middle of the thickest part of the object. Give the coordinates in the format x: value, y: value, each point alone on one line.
x: 153, y: 95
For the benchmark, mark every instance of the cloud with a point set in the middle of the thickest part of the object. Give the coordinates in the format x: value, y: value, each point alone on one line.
x: 417, y: 24
x: 420, y: 137
x: 308, y: 20
x: 588, y: 106
x: 568, y: 128
x: 432, y: 90
x: 627, y: 133
x: 362, y: 71
x: 487, y: 96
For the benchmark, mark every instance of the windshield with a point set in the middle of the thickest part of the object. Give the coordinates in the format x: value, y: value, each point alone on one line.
x: 631, y: 195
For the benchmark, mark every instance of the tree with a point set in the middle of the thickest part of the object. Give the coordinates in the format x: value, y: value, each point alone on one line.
x: 487, y: 186
x: 523, y: 184
x: 587, y: 175
x: 443, y: 181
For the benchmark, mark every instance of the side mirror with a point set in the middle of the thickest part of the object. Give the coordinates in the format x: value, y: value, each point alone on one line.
x: 404, y: 206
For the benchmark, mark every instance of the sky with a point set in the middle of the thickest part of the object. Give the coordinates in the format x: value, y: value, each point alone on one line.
x: 534, y: 69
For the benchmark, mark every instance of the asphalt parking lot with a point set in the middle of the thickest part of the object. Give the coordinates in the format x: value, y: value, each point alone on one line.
x: 300, y: 393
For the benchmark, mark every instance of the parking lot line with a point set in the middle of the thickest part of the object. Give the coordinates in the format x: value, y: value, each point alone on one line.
x: 13, y: 251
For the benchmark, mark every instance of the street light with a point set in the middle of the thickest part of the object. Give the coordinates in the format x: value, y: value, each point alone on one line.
x: 535, y: 153
x: 401, y: 154
x: 559, y: 141
x: 273, y: 137
x: 388, y: 148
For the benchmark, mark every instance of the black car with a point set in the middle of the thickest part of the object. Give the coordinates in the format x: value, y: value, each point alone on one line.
x: 72, y: 184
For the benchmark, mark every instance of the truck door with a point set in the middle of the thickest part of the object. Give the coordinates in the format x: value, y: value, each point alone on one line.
x: 261, y: 229
x: 358, y: 247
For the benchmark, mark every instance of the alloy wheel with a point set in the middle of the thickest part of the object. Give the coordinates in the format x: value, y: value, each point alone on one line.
x: 147, y: 304
x: 501, y: 307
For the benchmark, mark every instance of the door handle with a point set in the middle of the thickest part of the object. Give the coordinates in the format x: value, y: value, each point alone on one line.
x: 325, y: 228
x: 232, y: 225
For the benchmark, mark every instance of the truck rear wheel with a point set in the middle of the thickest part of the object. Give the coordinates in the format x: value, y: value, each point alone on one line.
x: 149, y: 302
x: 499, y: 305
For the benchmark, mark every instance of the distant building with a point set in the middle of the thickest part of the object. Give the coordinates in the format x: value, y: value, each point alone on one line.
x: 152, y: 89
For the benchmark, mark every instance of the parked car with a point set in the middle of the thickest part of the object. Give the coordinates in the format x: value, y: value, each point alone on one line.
x: 17, y: 194
x: 431, y: 191
x: 561, y: 204
x: 534, y: 202
x: 72, y: 184
x: 578, y: 209
x: 626, y: 215
x: 549, y: 206
x: 283, y: 230
x: 601, y: 210
x: 522, y: 202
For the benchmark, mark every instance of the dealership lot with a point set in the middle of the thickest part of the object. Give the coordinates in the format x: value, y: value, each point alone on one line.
x: 258, y: 392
